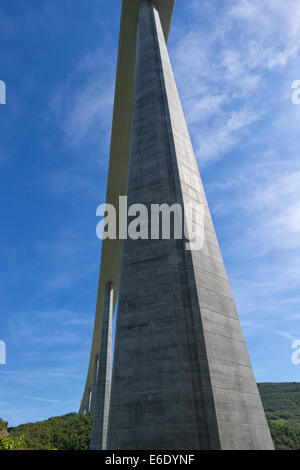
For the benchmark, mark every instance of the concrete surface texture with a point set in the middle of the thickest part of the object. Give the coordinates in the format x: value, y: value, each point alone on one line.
x: 119, y: 157
x: 102, y: 377
x: 182, y: 378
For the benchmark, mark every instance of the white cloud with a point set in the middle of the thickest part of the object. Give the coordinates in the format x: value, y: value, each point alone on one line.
x: 275, y: 24
x: 285, y: 334
x: 212, y: 141
x: 42, y: 399
x: 228, y: 68
x: 83, y: 104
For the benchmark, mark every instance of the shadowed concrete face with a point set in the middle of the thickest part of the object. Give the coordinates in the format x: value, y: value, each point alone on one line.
x: 102, y: 377
x: 182, y: 377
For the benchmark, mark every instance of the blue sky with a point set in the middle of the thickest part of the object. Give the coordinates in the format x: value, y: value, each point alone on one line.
x: 234, y: 63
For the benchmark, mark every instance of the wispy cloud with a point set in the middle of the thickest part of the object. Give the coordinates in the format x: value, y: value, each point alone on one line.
x: 82, y: 105
x: 223, y: 68
x: 214, y: 140
x: 42, y: 399
x: 265, y: 19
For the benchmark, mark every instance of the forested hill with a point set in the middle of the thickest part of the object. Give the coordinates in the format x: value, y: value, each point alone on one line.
x: 68, y: 432
x: 281, y: 402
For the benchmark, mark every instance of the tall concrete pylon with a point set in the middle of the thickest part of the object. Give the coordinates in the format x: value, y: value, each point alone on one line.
x: 182, y: 377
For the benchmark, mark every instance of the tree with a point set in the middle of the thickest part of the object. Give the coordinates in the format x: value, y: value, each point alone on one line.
x: 3, y: 425
x: 11, y: 443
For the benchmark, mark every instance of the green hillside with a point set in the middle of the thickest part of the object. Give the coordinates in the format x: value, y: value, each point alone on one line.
x: 68, y: 432
x: 281, y: 402
x: 285, y: 437
x: 72, y: 432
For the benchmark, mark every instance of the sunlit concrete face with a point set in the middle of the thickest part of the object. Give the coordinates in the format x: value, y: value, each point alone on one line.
x: 182, y: 378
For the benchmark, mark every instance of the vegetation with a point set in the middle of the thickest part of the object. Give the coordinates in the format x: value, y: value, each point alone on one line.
x: 3, y: 425
x: 11, y: 443
x: 285, y: 437
x: 68, y: 432
x: 281, y: 402
x: 72, y: 432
